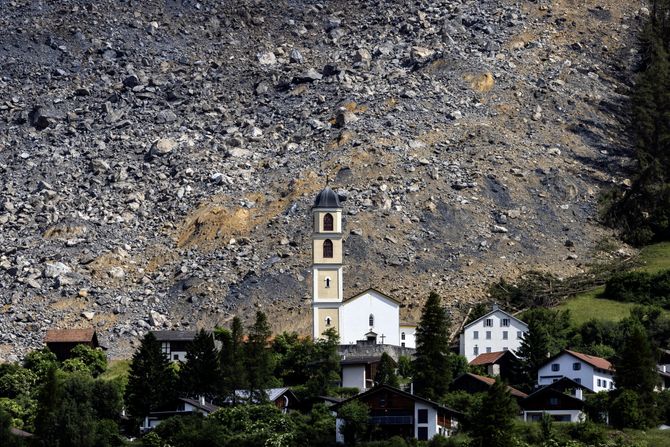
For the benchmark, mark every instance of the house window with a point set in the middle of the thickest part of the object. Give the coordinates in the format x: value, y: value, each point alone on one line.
x: 327, y: 248
x: 488, y: 322
x: 553, y: 401
x: 555, y: 367
x: 505, y: 348
x: 576, y: 366
x: 504, y: 335
x: 175, y: 357
x: 519, y: 335
x: 402, y: 344
x: 371, y: 320
x: 578, y: 380
x: 488, y: 335
x: 475, y: 335
x: 504, y: 322
x: 328, y: 222
x: 165, y: 347
x: 328, y: 320
x: 422, y: 415
x: 488, y: 349
x: 327, y: 283
x: 402, y: 335
x: 611, y: 385
x: 422, y: 433
x: 475, y: 350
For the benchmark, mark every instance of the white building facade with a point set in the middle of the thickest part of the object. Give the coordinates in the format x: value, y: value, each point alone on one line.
x: 494, y: 332
x: 595, y: 373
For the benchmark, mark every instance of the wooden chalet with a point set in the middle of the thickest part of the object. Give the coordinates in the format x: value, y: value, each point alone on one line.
x: 562, y: 400
x: 473, y: 383
x: 500, y: 364
x: 62, y: 341
x: 397, y: 413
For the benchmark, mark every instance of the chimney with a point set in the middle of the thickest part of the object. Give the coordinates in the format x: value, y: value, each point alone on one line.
x: 495, y: 307
x: 579, y: 394
x: 202, y: 400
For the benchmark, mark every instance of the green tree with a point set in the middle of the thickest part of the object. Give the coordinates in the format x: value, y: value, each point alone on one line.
x: 636, y: 363
x: 232, y: 360
x: 324, y: 365
x: 151, y: 380
x: 293, y: 358
x: 258, y: 359
x: 94, y: 358
x: 355, y: 421
x: 386, y: 374
x: 7, y: 439
x: 627, y: 411
x: 199, y: 376
x: 433, y: 369
x: 533, y: 353
x: 40, y: 362
x: 493, y: 425
x: 47, y: 423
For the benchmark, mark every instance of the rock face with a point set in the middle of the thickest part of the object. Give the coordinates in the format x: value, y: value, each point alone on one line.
x: 158, y: 160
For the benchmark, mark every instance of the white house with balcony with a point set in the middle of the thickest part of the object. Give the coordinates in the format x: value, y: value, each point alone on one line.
x: 494, y: 332
x: 595, y: 373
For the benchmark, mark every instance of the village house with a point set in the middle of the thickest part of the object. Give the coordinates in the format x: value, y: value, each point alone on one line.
x: 474, y: 383
x: 663, y: 370
x: 562, y: 400
x: 595, y: 373
x: 398, y: 413
x: 359, y: 372
x: 182, y: 406
x: 282, y: 398
x: 497, y: 364
x: 174, y: 344
x: 494, y: 332
x: 62, y: 341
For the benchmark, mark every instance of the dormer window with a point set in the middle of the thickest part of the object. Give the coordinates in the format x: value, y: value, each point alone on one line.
x: 328, y: 222
x: 327, y: 248
x: 327, y: 283
x: 371, y: 320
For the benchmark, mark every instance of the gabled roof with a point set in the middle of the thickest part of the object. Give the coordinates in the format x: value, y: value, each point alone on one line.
x: 497, y: 309
x: 69, y: 335
x: 547, y: 391
x: 490, y: 381
x: 174, y: 335
x: 489, y: 357
x: 271, y: 393
x: 397, y: 391
x: 207, y: 406
x: 368, y: 291
x: 565, y: 383
x: 597, y: 362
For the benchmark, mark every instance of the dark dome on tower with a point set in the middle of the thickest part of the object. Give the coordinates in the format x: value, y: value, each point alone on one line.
x: 327, y: 198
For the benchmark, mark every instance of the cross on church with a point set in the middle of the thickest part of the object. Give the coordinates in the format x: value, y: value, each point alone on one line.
x: 382, y: 337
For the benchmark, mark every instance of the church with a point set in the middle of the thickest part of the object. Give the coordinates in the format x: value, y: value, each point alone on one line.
x: 370, y: 315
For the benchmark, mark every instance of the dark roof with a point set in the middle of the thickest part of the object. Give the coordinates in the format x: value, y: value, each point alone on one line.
x: 398, y: 391
x: 548, y: 391
x: 174, y: 335
x: 565, y: 383
x: 69, y: 335
x: 490, y: 381
x: 327, y: 198
x: 362, y: 360
x: 207, y: 406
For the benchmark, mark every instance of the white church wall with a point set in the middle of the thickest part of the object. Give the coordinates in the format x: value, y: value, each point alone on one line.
x: 409, y: 339
x: 354, y: 319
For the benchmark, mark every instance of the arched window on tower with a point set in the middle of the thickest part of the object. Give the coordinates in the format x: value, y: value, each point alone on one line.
x: 327, y: 248
x: 372, y: 320
x: 328, y: 222
x: 328, y: 320
x: 327, y: 283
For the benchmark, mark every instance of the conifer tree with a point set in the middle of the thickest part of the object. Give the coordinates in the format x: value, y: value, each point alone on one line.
x: 232, y: 361
x: 151, y: 380
x: 258, y: 359
x: 433, y: 361
x: 386, y: 374
x: 533, y: 352
x: 200, y: 375
x: 636, y: 363
x: 494, y: 422
x: 325, y: 364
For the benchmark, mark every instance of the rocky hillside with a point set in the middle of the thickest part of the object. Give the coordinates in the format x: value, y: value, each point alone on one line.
x: 158, y: 159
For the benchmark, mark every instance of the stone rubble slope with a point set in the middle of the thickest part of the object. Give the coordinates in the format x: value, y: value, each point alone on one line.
x: 158, y: 159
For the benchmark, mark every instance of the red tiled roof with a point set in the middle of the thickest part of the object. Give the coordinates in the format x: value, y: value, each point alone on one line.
x: 490, y: 381
x: 487, y: 358
x: 69, y: 335
x: 592, y: 360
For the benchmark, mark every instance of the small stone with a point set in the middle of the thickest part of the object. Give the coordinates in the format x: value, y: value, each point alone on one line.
x: 499, y: 229
x: 357, y: 231
x: 88, y: 315
x: 116, y: 272
x: 295, y: 56
x: 164, y: 146
x: 345, y: 117
x: 420, y: 54
x: 55, y: 269
x: 266, y: 58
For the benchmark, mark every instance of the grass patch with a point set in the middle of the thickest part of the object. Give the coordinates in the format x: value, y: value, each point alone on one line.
x: 589, y: 306
x: 117, y: 369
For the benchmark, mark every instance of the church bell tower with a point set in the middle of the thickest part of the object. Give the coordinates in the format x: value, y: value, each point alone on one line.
x: 327, y: 257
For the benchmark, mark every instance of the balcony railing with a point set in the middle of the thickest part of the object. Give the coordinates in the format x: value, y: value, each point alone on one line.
x: 391, y: 420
